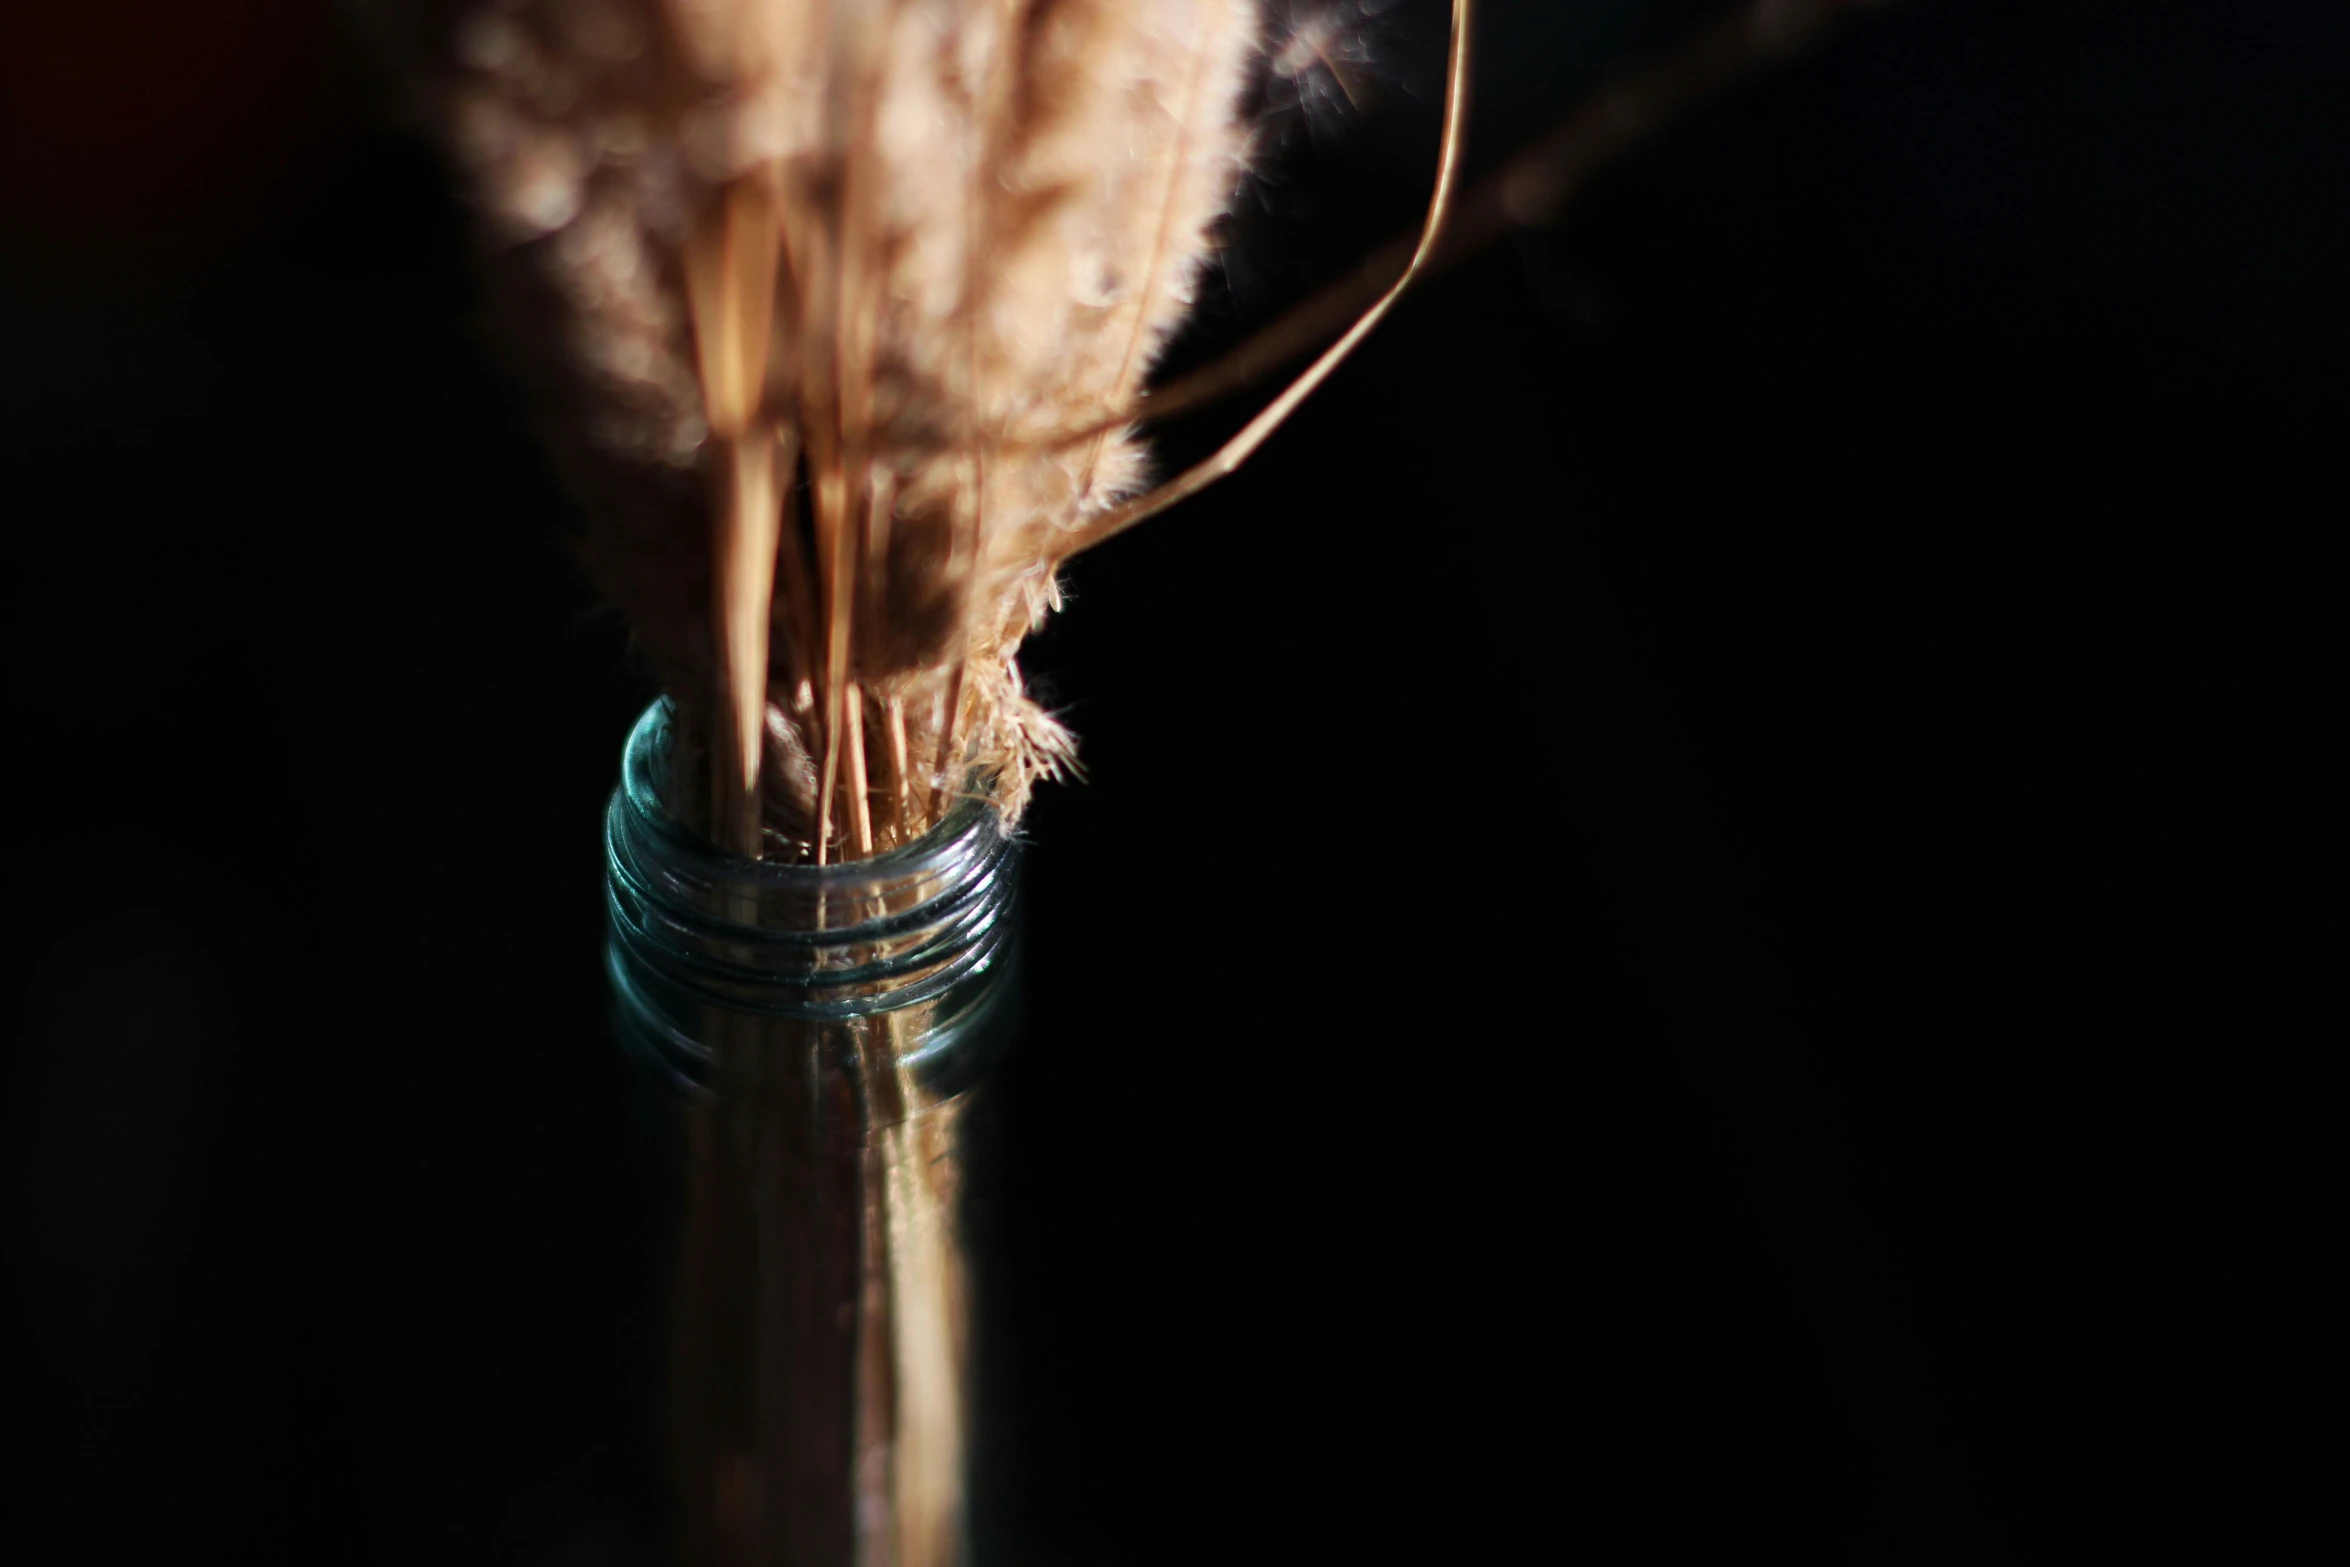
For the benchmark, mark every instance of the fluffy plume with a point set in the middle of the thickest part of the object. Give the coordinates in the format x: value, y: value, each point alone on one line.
x: 833, y: 283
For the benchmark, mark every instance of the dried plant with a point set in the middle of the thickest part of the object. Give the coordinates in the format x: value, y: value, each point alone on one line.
x: 840, y: 311
x: 852, y: 302
x: 830, y: 278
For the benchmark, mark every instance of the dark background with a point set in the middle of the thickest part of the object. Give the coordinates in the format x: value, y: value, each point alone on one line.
x: 1708, y: 915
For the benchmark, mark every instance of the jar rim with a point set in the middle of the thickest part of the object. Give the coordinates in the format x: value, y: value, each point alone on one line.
x: 927, y: 930
x: 969, y: 826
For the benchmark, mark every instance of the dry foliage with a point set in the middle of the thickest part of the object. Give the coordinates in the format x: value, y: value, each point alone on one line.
x: 832, y: 281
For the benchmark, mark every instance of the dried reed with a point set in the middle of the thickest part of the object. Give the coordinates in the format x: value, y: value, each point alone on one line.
x: 856, y: 299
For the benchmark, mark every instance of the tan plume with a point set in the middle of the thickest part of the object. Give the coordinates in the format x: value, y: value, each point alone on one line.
x: 829, y: 276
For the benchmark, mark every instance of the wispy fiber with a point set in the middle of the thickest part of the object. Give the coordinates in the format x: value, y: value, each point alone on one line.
x: 831, y: 279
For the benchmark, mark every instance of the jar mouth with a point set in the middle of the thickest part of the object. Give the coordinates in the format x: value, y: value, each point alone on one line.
x: 790, y: 901
x: 928, y: 927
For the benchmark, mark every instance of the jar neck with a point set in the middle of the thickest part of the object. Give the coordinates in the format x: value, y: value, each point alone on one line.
x: 699, y: 935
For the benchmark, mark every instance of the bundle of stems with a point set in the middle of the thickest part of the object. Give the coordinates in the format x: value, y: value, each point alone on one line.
x: 855, y: 300
x: 841, y: 313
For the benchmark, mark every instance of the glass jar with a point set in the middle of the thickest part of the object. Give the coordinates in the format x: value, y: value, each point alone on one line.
x: 806, y: 1037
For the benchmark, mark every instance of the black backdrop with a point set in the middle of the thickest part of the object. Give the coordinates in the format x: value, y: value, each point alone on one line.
x: 1708, y: 913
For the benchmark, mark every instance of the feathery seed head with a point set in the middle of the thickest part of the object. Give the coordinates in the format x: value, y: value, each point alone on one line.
x: 828, y: 281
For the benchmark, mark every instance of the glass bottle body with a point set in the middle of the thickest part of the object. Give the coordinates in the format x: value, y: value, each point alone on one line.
x: 805, y: 1039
